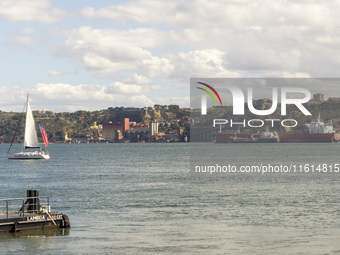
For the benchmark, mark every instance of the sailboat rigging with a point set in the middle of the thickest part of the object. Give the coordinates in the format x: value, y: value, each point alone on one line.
x: 31, y: 148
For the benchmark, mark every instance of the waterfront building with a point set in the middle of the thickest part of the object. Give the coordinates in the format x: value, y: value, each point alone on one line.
x: 153, y: 128
x: 115, y: 131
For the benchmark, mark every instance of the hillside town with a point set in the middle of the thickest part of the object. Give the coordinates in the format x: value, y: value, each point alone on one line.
x: 160, y: 123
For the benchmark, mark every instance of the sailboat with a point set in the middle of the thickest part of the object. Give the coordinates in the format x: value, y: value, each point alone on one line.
x: 31, y: 148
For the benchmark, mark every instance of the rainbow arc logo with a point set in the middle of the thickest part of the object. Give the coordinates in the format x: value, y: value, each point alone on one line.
x: 204, y: 97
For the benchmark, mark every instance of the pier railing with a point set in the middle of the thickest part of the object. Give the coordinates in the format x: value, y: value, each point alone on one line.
x: 24, y: 205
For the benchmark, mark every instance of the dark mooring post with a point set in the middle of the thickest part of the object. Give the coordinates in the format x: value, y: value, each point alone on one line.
x: 33, y: 201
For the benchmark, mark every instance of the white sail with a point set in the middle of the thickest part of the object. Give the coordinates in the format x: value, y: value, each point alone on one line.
x: 31, y: 138
x: 31, y: 148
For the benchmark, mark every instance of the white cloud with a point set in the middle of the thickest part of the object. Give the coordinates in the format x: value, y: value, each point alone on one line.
x: 199, y: 13
x: 84, y: 37
x: 33, y: 10
x: 54, y: 73
x: 122, y: 88
x: 92, y: 61
x: 68, y: 92
x: 139, y: 79
x: 17, y: 100
x: 234, y: 41
x: 136, y: 85
x: 200, y: 63
x: 254, y: 56
x: 157, y: 67
x: 286, y: 36
x: 139, y: 11
x: 139, y: 101
x: 106, y: 50
x: 110, y: 50
x: 67, y: 97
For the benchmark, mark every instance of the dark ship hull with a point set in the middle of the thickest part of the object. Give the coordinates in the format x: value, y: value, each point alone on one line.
x: 284, y: 137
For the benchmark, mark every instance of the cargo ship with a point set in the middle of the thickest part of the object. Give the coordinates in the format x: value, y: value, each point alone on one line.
x: 318, y: 132
x: 266, y: 137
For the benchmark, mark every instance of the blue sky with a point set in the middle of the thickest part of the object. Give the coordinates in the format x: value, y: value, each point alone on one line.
x: 91, y: 55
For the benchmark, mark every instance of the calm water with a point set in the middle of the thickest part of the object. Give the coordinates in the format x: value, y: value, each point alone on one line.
x: 141, y: 199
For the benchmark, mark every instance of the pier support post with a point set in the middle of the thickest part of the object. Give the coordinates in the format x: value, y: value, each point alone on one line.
x: 33, y: 201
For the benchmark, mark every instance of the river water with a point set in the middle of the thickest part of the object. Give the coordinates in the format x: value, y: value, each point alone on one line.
x: 142, y: 199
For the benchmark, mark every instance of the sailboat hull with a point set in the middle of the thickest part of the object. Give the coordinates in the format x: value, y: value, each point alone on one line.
x: 31, y: 148
x: 29, y: 155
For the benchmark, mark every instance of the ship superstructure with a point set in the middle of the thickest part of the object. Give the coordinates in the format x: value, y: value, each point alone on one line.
x: 318, y: 127
x: 318, y: 132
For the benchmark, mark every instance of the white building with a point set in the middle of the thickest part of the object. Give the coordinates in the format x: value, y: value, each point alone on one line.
x: 153, y: 128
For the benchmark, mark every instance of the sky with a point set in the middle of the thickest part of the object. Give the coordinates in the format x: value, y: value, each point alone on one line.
x: 74, y: 55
